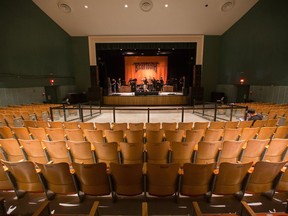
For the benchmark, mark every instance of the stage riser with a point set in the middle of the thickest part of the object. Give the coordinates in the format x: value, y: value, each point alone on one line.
x: 148, y: 100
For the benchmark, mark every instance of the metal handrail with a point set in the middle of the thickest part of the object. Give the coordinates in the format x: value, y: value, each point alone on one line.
x: 96, y: 110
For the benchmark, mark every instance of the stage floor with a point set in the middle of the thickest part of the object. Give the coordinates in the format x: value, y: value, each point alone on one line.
x: 133, y: 93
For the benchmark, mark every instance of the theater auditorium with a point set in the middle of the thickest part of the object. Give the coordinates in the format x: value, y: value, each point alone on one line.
x: 143, y: 107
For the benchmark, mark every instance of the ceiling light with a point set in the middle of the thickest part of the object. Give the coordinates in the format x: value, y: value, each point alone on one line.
x: 227, y: 6
x: 86, y: 6
x: 146, y: 5
x: 64, y: 7
x: 166, y: 5
x: 126, y: 6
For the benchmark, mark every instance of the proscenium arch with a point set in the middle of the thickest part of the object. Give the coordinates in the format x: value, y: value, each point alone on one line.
x: 198, y: 39
x: 93, y: 40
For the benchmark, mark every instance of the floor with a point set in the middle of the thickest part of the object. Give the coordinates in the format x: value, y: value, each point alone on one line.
x: 63, y: 204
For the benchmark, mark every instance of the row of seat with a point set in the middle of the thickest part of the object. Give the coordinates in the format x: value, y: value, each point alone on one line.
x: 143, y: 136
x: 128, y: 153
x: 153, y: 179
x: 152, y: 126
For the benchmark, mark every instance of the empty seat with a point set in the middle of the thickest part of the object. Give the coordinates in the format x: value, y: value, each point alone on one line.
x: 254, y: 150
x: 181, y: 152
x: 107, y: 152
x: 200, y: 125
x: 131, y: 153
x: 158, y: 153
x: 154, y: 136
x: 57, y: 151
x: 230, y: 151
x: 174, y: 135
x: 136, y: 126
x: 213, y: 134
x: 135, y: 136
x: 81, y: 152
x: 11, y: 151
x: 207, y: 152
x: 34, y: 150
x: 168, y: 126
x: 114, y: 136
x: 277, y: 150
x: 153, y: 126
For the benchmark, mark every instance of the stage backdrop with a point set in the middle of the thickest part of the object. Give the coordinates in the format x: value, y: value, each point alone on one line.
x: 145, y: 66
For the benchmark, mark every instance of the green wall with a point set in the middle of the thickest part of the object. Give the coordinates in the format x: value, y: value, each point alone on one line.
x: 211, y: 66
x: 33, y: 47
x: 256, y: 47
x: 81, y: 68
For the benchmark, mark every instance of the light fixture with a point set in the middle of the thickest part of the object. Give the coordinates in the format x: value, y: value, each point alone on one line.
x: 64, y: 7
x: 227, y: 6
x: 146, y: 5
x: 166, y: 5
x: 126, y: 6
x: 86, y: 6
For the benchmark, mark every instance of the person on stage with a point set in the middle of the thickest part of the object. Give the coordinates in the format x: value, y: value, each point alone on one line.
x: 114, y: 85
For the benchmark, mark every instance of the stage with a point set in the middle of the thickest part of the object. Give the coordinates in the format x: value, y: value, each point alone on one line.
x: 154, y: 98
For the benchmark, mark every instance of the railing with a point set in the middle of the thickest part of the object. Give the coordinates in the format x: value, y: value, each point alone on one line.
x: 210, y: 111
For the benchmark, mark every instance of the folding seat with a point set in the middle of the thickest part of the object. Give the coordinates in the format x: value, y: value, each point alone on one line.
x: 107, y: 152
x: 213, y: 134
x: 80, y: 152
x: 21, y: 133
x: 162, y: 179
x: 254, y: 150
x: 195, y: 135
x: 74, y: 134
x: 281, y: 132
x: 135, y: 136
x: 55, y: 134
x: 24, y: 177
x: 29, y: 123
x: 230, y: 151
x: 168, y: 126
x: 42, y: 124
x: 277, y: 150
x: 38, y: 133
x: 231, y: 124
x: 136, y: 126
x: 181, y: 152
x: 86, y: 125
x: 5, y: 183
x: 11, y: 151
x: 245, y: 124
x: 231, y: 179
x: 57, y: 179
x: 200, y: 125
x: 217, y: 125
x: 57, y: 151
x: 6, y: 133
x: 102, y: 126
x: 266, y: 132
x: 71, y: 125
x: 158, y: 153
x: 259, y: 123
x: 231, y: 134
x: 127, y: 179
x: 248, y: 133
x: 34, y: 150
x: 9, y: 119
x: 92, y: 178
x: 93, y: 135
x: 174, y: 135
x: 264, y: 178
x: 114, y: 136
x: 272, y: 123
x: 185, y: 126
x: 131, y: 153
x: 196, y: 179
x: 154, y: 136
x: 56, y: 124
x: 119, y: 126
x: 207, y: 152
x: 152, y: 126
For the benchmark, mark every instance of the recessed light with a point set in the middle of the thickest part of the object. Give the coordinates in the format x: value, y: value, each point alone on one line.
x: 86, y: 6
x: 166, y: 5
x: 126, y: 6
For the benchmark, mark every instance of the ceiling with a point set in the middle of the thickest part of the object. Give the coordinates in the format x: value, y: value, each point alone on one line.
x: 166, y: 17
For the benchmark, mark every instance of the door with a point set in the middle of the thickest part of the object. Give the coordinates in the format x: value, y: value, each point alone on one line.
x: 242, y: 93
